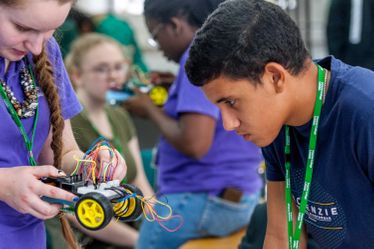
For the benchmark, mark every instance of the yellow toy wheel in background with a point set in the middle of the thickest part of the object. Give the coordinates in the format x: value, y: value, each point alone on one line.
x: 93, y: 211
x: 158, y: 95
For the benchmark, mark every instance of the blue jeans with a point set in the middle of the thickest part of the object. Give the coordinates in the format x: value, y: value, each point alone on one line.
x: 204, y: 215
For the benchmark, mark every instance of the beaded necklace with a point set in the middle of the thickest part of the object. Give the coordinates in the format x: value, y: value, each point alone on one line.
x: 28, y: 107
x: 7, y: 96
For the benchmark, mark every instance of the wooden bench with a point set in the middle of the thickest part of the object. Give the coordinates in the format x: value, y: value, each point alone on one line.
x: 230, y: 242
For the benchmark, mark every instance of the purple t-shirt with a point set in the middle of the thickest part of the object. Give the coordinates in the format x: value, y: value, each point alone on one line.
x: 22, y: 230
x: 230, y: 162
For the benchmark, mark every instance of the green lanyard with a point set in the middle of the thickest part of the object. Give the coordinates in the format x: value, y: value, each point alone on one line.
x: 29, y: 143
x: 294, y: 238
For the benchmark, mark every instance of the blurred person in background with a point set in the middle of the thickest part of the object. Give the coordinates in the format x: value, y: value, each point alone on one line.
x: 206, y: 174
x: 119, y: 29
x: 96, y: 64
x: 350, y: 31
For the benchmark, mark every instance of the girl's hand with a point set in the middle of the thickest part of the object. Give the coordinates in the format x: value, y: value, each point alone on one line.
x: 23, y: 190
x: 121, y: 168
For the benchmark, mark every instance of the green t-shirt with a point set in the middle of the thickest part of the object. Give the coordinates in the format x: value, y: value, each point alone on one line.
x: 123, y: 129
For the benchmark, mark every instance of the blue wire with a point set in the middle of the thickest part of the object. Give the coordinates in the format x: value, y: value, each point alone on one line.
x: 127, y: 197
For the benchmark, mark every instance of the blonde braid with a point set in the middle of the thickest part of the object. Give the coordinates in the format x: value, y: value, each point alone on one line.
x: 44, y: 73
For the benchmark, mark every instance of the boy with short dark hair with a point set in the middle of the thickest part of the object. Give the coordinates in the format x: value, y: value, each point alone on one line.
x: 312, y: 119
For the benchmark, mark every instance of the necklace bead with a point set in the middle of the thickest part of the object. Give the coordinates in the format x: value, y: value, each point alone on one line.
x: 30, y: 104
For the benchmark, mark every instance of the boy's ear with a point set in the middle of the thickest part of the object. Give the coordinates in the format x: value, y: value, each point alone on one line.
x: 276, y: 74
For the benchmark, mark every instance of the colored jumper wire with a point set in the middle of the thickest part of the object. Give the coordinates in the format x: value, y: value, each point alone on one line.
x: 88, y: 168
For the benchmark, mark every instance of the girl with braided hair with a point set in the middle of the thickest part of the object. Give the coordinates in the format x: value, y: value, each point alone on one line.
x: 36, y: 104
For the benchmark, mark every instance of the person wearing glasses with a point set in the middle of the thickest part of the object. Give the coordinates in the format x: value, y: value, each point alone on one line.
x: 207, y: 175
x: 119, y: 29
x: 96, y: 63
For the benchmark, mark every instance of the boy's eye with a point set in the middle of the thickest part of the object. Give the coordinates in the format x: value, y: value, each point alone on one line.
x: 230, y: 102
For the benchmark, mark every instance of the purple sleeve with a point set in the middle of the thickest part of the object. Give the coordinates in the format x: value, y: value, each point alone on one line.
x: 192, y: 99
x: 70, y: 105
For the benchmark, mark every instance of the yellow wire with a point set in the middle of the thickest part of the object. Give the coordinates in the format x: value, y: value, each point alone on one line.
x: 108, y: 164
x: 76, y: 165
x: 146, y: 202
x: 105, y: 170
x: 93, y: 174
x: 79, y: 164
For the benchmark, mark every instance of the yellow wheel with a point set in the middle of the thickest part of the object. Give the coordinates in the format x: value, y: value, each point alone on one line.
x: 158, y: 95
x: 93, y: 211
x: 130, y: 209
x: 125, y: 208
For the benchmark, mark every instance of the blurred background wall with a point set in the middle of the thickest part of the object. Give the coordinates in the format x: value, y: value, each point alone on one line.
x: 311, y: 16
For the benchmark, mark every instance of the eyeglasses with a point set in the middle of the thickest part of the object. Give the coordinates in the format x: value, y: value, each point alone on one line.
x: 152, y: 41
x: 105, y: 69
